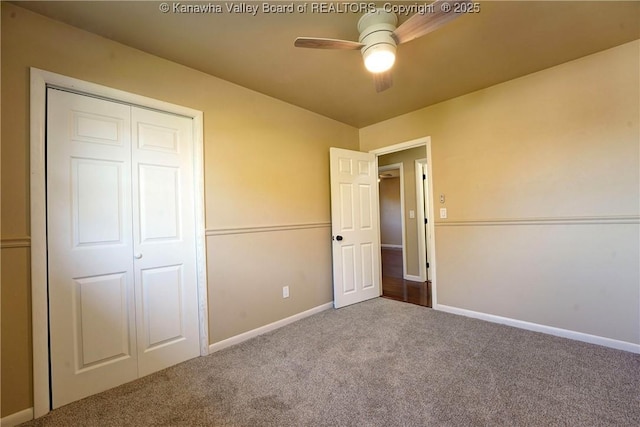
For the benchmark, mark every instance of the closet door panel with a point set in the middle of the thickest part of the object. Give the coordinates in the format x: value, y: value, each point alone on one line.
x: 90, y: 242
x: 164, y: 239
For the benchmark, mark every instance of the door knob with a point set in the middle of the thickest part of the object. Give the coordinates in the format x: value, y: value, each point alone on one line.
x: 338, y: 238
x: 137, y: 256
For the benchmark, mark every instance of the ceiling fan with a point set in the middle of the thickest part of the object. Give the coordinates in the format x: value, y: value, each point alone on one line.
x: 379, y: 36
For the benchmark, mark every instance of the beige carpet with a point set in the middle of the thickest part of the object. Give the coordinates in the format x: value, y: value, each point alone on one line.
x: 380, y: 363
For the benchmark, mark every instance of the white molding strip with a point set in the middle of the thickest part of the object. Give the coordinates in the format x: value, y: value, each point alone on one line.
x: 402, y: 146
x: 412, y: 278
x: 17, y: 418
x: 264, y: 229
x: 570, y: 220
x: 388, y: 246
x: 38, y: 210
x: 220, y: 345
x: 17, y: 242
x: 536, y: 327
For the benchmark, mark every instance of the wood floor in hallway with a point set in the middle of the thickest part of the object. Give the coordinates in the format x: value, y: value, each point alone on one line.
x: 395, y: 287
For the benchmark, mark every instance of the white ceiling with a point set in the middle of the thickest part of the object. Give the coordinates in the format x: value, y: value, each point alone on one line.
x: 507, y: 39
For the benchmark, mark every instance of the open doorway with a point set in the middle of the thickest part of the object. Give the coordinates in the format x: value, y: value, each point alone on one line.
x: 392, y: 226
x: 404, y: 225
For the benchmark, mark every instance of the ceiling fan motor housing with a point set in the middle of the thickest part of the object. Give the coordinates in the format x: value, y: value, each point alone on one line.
x: 376, y: 30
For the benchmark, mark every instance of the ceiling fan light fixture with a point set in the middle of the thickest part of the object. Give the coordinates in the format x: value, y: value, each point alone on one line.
x: 379, y: 36
x: 379, y: 58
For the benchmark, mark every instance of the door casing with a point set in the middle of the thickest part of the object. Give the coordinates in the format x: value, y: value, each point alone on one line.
x: 423, y: 196
x: 40, y: 80
x: 431, y: 245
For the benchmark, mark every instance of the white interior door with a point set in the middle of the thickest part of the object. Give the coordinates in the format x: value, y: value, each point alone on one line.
x: 91, y: 280
x: 354, y: 226
x: 121, y: 243
x: 164, y: 240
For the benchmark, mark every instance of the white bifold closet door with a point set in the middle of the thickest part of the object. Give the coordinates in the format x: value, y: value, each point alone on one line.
x: 121, y: 243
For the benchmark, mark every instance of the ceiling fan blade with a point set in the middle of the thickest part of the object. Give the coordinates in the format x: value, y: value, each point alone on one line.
x: 320, y: 43
x: 383, y: 81
x: 420, y: 24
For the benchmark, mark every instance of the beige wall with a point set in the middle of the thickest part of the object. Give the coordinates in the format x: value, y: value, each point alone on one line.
x: 390, y: 212
x: 561, y: 143
x: 253, y: 146
x: 249, y: 270
x: 541, y: 177
x: 408, y: 158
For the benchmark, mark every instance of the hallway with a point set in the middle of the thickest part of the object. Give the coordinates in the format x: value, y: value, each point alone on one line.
x: 395, y: 287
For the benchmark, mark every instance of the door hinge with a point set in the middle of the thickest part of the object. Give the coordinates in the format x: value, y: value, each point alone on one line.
x: 424, y: 176
x: 427, y: 265
x: 426, y: 221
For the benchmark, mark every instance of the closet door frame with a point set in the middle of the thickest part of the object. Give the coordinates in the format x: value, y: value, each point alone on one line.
x: 40, y: 80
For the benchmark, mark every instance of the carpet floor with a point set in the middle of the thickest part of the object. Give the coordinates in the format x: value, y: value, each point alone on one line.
x: 380, y: 363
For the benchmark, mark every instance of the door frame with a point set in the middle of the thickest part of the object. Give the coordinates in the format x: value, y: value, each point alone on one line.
x: 431, y: 245
x: 424, y: 199
x: 40, y: 80
x: 400, y: 167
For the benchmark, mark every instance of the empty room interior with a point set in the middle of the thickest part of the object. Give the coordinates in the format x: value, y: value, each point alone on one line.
x: 514, y: 128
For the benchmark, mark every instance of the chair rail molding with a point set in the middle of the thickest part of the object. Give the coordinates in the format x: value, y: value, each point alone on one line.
x: 565, y: 220
x: 264, y: 228
x: 15, y: 242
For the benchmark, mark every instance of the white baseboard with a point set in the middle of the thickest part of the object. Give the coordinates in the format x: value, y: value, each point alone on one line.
x: 266, y: 328
x: 17, y: 418
x: 388, y: 246
x: 558, y: 332
x: 413, y: 278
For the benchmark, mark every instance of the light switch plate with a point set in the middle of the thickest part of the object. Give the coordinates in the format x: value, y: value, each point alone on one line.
x: 412, y: 214
x: 443, y: 213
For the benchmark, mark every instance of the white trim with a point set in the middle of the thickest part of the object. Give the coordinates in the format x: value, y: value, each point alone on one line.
x: 426, y: 245
x: 39, y: 300
x: 565, y: 220
x: 401, y: 146
x: 220, y: 345
x: 390, y: 167
x: 40, y: 79
x: 403, y: 226
x: 17, y: 418
x: 558, y: 332
x: 264, y: 228
x: 420, y: 170
x: 431, y: 244
x: 413, y: 278
x: 419, y: 142
x: 201, y: 252
x: 386, y: 246
x: 15, y: 242
x: 378, y: 278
